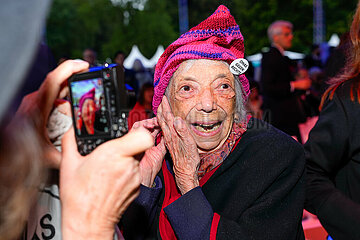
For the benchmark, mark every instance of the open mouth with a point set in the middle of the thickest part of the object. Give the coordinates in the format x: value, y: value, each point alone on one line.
x: 206, y: 127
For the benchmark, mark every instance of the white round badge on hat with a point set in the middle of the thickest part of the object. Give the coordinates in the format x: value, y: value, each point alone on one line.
x: 239, y: 66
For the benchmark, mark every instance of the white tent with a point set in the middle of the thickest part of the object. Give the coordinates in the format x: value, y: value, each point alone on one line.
x: 256, y: 58
x: 150, y: 63
x: 256, y: 61
x: 157, y: 55
x: 136, y: 54
x: 334, y: 40
x: 292, y: 55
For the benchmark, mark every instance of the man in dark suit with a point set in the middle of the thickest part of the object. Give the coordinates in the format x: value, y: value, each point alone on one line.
x: 279, y: 87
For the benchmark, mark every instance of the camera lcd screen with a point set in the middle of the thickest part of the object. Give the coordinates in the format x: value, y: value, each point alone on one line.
x: 89, y: 107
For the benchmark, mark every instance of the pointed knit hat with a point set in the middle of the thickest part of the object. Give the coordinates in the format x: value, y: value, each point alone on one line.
x: 217, y: 38
x: 88, y: 95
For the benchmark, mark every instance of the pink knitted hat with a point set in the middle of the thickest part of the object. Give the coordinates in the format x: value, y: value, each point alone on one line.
x: 89, y: 95
x: 218, y: 38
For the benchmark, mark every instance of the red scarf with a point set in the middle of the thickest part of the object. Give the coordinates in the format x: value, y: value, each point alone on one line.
x: 209, y: 164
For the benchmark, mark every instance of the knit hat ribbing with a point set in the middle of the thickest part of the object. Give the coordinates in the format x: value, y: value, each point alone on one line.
x: 217, y: 38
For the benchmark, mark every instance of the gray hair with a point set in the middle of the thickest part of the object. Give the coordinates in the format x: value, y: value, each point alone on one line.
x: 240, y: 109
x: 276, y: 28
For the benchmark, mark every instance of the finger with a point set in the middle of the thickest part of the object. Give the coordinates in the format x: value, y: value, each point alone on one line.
x: 167, y: 121
x: 156, y: 132
x: 183, y: 132
x: 166, y: 112
x: 66, y: 69
x: 135, y: 126
x: 161, y: 146
x: 50, y: 88
x: 147, y: 123
x: 163, y: 125
x: 151, y: 128
x: 63, y: 106
x: 64, y: 92
x: 52, y: 157
x: 133, y: 143
x: 181, y: 128
x: 151, y: 123
x: 70, y: 154
x: 27, y: 104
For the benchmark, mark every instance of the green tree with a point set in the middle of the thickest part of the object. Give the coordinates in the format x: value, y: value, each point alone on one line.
x: 109, y: 26
x: 147, y: 29
x: 338, y: 15
x: 74, y: 25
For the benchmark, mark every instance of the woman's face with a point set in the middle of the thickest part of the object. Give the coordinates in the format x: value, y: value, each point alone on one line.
x: 88, y: 112
x: 202, y: 92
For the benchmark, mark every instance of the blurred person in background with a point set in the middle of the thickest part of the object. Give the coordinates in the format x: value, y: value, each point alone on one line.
x: 337, y: 60
x: 142, y: 109
x: 313, y: 59
x: 132, y: 85
x: 278, y: 81
x: 119, y: 58
x: 255, y: 101
x: 142, y: 74
x: 90, y: 56
x: 332, y: 151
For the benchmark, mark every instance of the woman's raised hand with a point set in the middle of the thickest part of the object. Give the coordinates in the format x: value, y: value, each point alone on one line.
x: 182, y: 147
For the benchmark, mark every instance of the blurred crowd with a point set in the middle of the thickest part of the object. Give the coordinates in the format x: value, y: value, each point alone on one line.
x: 311, y: 74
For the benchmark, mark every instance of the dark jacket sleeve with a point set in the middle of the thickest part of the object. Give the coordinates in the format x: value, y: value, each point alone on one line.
x: 275, y: 75
x: 191, y: 215
x: 276, y: 214
x: 138, y: 218
x: 327, y: 151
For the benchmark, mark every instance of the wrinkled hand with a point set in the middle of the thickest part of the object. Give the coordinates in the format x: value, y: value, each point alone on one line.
x: 96, y: 189
x: 38, y: 105
x: 151, y: 161
x: 182, y: 147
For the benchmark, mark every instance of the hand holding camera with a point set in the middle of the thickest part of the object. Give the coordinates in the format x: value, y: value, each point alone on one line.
x: 97, y: 106
x: 94, y: 189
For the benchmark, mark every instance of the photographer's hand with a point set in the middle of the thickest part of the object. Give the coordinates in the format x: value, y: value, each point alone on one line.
x: 38, y: 105
x: 96, y: 189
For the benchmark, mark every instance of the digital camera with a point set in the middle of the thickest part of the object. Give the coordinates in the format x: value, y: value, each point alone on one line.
x: 98, y: 102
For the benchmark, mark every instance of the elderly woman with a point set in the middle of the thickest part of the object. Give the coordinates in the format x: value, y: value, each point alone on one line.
x: 215, y: 172
x: 88, y: 108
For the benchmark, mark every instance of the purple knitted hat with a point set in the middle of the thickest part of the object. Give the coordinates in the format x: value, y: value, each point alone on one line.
x: 89, y: 95
x: 217, y: 38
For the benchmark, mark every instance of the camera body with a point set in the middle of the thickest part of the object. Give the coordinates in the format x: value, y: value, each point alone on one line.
x: 98, y: 103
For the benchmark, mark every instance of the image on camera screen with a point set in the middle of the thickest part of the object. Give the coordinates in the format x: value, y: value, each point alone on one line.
x: 89, y: 108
